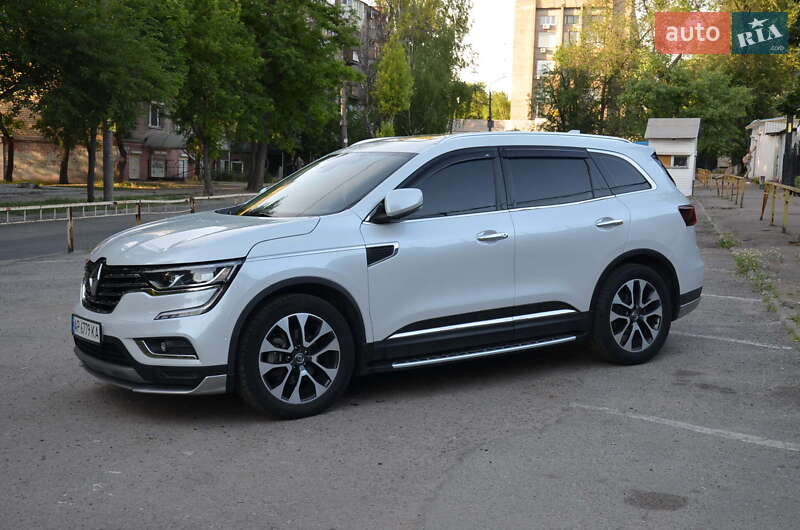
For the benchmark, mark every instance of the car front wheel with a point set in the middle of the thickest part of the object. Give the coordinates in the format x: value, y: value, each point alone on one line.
x: 297, y: 356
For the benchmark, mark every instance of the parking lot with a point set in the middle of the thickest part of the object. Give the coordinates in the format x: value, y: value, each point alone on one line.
x: 706, y: 435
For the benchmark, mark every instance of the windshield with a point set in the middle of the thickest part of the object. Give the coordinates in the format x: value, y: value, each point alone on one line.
x: 328, y: 185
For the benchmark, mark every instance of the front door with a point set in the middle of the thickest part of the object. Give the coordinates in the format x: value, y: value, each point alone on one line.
x: 442, y: 278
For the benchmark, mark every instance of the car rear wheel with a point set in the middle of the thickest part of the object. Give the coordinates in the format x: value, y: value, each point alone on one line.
x: 297, y: 356
x: 632, y: 315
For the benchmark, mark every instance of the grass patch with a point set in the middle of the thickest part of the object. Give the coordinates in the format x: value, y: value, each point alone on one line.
x: 727, y: 240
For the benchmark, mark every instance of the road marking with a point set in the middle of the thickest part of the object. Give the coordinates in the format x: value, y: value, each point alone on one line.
x: 740, y: 298
x: 738, y: 436
x: 736, y: 341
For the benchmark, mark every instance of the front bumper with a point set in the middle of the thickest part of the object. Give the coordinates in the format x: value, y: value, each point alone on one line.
x: 112, y: 363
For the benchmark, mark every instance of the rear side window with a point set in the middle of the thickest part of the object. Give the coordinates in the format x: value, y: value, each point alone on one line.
x: 544, y: 181
x: 460, y: 188
x: 621, y: 176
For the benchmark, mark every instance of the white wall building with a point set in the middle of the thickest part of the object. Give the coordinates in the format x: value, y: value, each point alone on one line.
x: 675, y: 142
x: 764, y: 159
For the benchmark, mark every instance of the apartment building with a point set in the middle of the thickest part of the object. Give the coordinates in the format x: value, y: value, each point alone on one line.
x: 540, y: 27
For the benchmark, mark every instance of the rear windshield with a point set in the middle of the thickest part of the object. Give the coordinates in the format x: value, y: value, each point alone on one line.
x: 328, y: 185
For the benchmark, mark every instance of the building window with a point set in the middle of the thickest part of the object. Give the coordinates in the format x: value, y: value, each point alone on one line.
x: 547, y: 20
x: 155, y: 116
x: 571, y: 37
x: 542, y: 67
x: 547, y: 39
x: 572, y: 20
x: 680, y: 161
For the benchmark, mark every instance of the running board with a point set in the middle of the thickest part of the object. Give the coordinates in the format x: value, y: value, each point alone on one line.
x: 453, y: 357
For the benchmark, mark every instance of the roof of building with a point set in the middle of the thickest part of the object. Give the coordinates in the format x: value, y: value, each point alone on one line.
x: 672, y: 128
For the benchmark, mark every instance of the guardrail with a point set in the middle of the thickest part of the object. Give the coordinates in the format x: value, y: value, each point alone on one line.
x: 69, y: 212
x: 735, y: 190
x: 771, y: 191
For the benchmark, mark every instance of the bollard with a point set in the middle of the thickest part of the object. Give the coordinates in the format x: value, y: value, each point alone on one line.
x: 785, y: 210
x: 764, y: 201
x: 139, y: 212
x: 772, y: 216
x: 192, y: 205
x: 70, y: 231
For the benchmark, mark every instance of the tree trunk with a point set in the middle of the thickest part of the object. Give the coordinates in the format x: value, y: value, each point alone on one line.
x: 122, y: 163
x: 257, y: 180
x: 8, y: 143
x: 91, y: 151
x: 208, y: 186
x: 108, y: 163
x: 63, y: 170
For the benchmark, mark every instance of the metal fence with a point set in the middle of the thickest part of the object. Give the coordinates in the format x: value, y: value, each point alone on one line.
x: 89, y: 210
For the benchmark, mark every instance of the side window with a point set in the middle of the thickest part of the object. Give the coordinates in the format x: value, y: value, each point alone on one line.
x: 544, y: 181
x: 460, y: 188
x: 620, y: 174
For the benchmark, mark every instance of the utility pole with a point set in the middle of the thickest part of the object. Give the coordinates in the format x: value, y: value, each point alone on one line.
x: 343, y: 96
x: 490, y: 121
x: 787, y: 176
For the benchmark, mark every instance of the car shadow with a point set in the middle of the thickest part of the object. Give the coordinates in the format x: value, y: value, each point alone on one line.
x: 393, y: 386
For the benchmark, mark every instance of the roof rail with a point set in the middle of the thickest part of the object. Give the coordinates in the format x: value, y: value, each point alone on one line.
x: 532, y: 133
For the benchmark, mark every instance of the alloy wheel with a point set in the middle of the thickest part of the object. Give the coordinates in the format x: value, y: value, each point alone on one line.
x: 636, y: 315
x: 299, y: 358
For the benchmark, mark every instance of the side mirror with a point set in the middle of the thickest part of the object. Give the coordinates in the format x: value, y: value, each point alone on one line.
x: 401, y: 202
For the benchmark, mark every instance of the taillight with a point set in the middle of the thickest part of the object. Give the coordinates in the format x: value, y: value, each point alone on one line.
x: 688, y: 214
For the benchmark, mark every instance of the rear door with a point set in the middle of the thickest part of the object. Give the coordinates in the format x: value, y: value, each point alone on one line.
x: 569, y: 227
x: 442, y: 278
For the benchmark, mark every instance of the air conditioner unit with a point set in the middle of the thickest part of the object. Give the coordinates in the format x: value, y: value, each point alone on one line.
x: 545, y: 27
x: 542, y: 50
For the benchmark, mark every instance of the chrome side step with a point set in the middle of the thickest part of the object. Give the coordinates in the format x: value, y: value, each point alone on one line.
x: 454, y: 357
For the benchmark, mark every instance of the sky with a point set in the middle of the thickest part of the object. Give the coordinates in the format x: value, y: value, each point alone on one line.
x: 491, y: 38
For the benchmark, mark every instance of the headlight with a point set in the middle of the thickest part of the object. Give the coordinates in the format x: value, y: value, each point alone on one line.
x: 184, y: 278
x: 190, y: 277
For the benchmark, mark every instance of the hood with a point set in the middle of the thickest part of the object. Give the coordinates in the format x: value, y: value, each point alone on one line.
x: 206, y: 236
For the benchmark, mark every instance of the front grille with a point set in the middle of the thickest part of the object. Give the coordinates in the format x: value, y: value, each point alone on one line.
x: 110, y: 351
x: 104, y: 285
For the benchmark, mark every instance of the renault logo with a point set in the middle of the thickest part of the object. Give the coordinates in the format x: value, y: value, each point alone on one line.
x: 94, y: 279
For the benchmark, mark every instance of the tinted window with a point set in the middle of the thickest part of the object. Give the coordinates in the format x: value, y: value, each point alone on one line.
x: 543, y: 181
x: 620, y: 175
x: 463, y: 187
x: 329, y: 185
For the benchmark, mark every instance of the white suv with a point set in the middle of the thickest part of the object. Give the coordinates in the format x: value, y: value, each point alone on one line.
x: 392, y: 254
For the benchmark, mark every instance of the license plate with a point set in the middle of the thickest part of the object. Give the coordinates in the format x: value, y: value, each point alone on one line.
x: 86, y: 329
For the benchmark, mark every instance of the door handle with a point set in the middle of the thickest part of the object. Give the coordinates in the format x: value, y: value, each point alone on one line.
x: 491, y: 235
x: 608, y: 222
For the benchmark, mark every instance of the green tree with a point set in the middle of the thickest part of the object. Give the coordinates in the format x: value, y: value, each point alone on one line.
x: 690, y: 89
x: 220, y: 84
x: 115, y: 58
x: 394, y: 86
x: 433, y: 33
x: 32, y: 57
x: 300, y: 44
x: 474, y: 103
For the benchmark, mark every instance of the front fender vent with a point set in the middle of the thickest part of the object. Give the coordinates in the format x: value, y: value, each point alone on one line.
x: 382, y: 252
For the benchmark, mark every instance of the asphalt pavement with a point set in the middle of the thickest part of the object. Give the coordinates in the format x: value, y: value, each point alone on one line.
x: 707, y: 435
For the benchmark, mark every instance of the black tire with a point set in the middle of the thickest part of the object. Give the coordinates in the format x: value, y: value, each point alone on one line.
x: 272, y: 318
x: 644, y: 340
